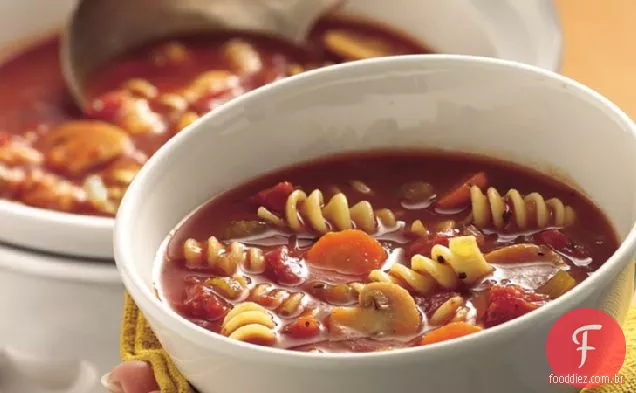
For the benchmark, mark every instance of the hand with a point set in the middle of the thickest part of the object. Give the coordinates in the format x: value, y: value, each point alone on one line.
x: 134, y: 376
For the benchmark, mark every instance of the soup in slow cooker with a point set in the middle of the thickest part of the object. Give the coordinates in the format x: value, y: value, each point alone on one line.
x: 53, y: 156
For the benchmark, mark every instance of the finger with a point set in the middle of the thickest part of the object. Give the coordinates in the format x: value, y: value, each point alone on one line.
x: 131, y: 377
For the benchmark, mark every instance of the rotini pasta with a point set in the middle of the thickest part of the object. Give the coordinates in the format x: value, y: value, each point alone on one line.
x: 417, y: 228
x: 213, y: 254
x: 461, y: 261
x: 311, y: 212
x: 242, y: 56
x: 172, y: 52
x: 386, y: 218
x: 140, y: 87
x: 283, y: 302
x: 250, y: 322
x: 408, y: 278
x: 446, y: 311
x: 337, y: 294
x: 446, y: 225
x: 525, y: 211
x: 232, y: 288
x: 464, y: 258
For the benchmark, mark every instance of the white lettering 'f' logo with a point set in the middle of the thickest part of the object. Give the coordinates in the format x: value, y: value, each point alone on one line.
x: 583, y: 344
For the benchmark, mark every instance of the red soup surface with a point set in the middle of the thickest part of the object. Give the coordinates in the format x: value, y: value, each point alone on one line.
x: 381, y: 250
x: 52, y: 156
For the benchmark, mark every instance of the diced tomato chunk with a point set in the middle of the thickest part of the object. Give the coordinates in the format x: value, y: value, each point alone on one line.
x: 561, y: 242
x: 509, y: 302
x: 553, y: 238
x: 5, y: 138
x: 274, y: 198
x: 284, y: 268
x: 423, y: 246
x: 270, y: 299
x: 108, y: 107
x: 202, y: 303
x: 304, y: 327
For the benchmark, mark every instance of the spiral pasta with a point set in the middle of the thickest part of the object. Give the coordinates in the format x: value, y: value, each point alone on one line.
x: 283, y: 302
x: 408, y: 278
x: 225, y: 260
x: 447, y: 311
x: 461, y: 261
x: 304, y: 211
x: 250, y: 322
x: 232, y: 288
x: 417, y: 228
x: 528, y: 210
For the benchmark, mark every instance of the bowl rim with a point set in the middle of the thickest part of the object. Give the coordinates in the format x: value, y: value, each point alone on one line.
x: 159, y: 311
x: 74, y: 226
x: 20, y: 210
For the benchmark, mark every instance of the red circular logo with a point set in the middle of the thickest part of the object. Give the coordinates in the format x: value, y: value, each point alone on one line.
x: 586, y: 348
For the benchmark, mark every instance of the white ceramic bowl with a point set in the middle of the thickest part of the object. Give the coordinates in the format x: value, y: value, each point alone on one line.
x: 516, y: 30
x: 504, y: 109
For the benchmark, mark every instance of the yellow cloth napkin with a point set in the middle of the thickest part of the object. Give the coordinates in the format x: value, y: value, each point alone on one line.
x: 138, y: 342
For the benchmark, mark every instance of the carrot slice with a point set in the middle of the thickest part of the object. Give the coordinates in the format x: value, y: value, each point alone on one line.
x: 459, y: 195
x: 351, y: 251
x: 449, y: 332
x: 304, y: 327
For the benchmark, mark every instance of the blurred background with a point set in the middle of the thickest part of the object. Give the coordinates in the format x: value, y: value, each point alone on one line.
x: 599, y: 47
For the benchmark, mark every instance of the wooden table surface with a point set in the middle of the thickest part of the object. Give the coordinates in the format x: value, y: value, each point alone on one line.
x: 600, y: 47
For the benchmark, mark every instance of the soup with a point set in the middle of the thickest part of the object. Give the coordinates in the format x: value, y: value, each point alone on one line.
x: 53, y: 156
x: 380, y: 250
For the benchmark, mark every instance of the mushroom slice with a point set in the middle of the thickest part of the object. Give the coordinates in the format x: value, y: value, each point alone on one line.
x: 384, y: 308
x: 76, y: 146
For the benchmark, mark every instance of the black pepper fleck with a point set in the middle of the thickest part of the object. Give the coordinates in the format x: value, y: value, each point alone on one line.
x: 440, y: 259
x: 540, y: 254
x: 461, y: 275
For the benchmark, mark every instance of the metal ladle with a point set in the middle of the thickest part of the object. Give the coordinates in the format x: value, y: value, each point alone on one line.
x: 100, y: 30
